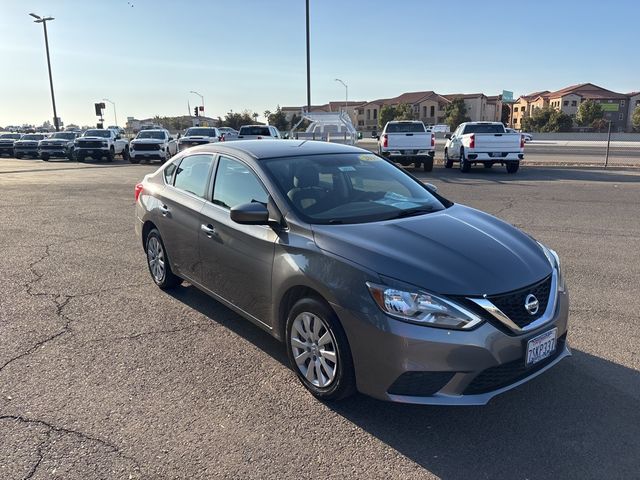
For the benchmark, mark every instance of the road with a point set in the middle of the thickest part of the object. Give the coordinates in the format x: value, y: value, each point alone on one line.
x: 568, y: 153
x: 102, y: 375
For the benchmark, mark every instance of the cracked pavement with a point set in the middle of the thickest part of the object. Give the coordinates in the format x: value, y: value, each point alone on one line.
x: 102, y: 375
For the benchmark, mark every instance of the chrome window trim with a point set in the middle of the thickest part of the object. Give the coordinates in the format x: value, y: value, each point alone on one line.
x: 546, y: 317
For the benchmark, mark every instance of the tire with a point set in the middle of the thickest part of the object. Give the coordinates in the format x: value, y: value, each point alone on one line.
x: 427, y: 165
x: 417, y: 164
x: 331, y: 360
x: 465, y: 166
x: 512, y: 167
x: 70, y: 155
x: 18, y: 156
x: 448, y: 163
x: 158, y: 262
x: 488, y: 165
x: 79, y: 158
x: 111, y: 155
x: 44, y: 157
x: 125, y: 153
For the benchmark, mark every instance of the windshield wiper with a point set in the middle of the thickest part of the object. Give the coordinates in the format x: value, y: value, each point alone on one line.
x: 411, y: 212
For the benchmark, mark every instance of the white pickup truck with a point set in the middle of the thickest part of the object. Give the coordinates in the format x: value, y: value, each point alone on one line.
x: 486, y: 143
x: 199, y: 136
x: 150, y: 145
x: 98, y: 143
x: 408, y: 142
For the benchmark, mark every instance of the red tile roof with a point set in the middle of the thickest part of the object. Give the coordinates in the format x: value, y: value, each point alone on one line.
x: 587, y: 90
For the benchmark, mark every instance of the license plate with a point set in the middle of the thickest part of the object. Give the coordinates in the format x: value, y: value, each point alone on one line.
x: 541, y: 347
x: 496, y: 154
x: 89, y: 151
x: 409, y: 152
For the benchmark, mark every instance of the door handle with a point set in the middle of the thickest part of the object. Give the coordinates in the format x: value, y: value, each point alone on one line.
x: 164, y: 210
x: 208, y: 230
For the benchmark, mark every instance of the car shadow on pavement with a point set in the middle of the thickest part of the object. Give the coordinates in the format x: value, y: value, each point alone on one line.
x: 531, y: 174
x: 581, y: 419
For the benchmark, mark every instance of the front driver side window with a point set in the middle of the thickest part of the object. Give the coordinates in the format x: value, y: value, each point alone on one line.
x: 192, y: 174
x: 236, y: 184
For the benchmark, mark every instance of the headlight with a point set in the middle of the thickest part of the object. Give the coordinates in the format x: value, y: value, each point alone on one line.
x: 422, y: 308
x: 554, y: 260
x: 104, y: 144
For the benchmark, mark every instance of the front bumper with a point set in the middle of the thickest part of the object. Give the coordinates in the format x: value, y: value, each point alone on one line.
x: 91, y: 152
x: 54, y: 152
x: 6, y: 150
x: 403, y: 362
x: 18, y: 150
x: 148, y: 154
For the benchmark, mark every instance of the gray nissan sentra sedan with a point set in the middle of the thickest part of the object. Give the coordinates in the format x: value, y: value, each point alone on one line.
x: 373, y: 280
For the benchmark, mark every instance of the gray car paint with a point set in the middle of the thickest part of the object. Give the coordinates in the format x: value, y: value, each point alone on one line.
x: 456, y: 251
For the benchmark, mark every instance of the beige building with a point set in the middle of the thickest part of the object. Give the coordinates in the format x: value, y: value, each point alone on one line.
x: 568, y: 100
x: 479, y: 107
x: 427, y: 106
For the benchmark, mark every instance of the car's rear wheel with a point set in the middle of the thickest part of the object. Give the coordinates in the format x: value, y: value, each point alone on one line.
x: 427, y: 165
x: 448, y: 163
x: 318, y: 350
x: 158, y: 262
x: 512, y: 167
x: 465, y: 166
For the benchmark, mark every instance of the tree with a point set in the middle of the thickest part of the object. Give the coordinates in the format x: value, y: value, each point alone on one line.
x: 635, y: 119
x: 387, y: 114
x: 456, y: 113
x: 559, y: 122
x: 588, y: 112
x: 404, y: 111
x: 278, y: 119
x: 236, y: 120
x: 506, y: 113
x: 547, y: 119
x: 600, y: 125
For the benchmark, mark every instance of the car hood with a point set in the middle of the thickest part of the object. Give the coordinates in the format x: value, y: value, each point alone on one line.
x: 93, y: 138
x: 147, y: 140
x: 457, y: 251
x: 26, y: 142
x: 61, y: 141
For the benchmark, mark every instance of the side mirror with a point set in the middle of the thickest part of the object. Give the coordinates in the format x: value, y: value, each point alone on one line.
x: 431, y: 187
x: 447, y: 136
x: 171, y: 139
x: 250, y: 214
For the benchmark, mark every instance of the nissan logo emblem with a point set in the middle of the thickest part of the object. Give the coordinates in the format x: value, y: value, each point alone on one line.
x: 532, y: 304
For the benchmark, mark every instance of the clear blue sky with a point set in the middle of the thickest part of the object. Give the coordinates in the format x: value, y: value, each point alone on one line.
x: 250, y: 54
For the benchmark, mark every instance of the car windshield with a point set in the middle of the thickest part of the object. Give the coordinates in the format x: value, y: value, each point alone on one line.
x: 405, y: 128
x: 350, y: 188
x: 33, y: 137
x: 65, y: 135
x: 152, y: 134
x: 484, y: 128
x: 255, y: 131
x: 201, y: 132
x: 13, y: 136
x: 97, y: 133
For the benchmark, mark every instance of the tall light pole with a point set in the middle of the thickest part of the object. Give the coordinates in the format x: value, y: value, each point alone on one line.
x: 43, y: 21
x: 115, y: 115
x: 308, y: 64
x: 346, y: 95
x: 201, y: 99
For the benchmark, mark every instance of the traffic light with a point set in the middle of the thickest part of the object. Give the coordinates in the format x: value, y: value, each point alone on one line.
x: 99, y: 107
x: 195, y: 111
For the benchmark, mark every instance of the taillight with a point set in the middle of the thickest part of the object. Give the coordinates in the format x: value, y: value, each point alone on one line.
x: 472, y: 141
x: 385, y: 141
x: 521, y: 141
x: 433, y: 140
x: 138, y: 190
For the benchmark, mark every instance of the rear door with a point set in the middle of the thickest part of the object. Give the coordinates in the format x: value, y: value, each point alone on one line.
x: 237, y: 259
x: 178, y: 212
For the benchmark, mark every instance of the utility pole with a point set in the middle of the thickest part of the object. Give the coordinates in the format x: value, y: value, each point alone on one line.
x: 115, y: 115
x: 43, y: 21
x: 606, y: 158
x: 308, y: 64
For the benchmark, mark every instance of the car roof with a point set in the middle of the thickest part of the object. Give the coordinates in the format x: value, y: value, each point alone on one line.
x: 262, y: 149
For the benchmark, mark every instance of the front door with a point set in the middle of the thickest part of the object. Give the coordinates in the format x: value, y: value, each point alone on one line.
x: 237, y: 260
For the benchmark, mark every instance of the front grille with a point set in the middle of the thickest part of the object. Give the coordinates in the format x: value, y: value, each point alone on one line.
x: 420, y: 384
x: 90, y: 144
x: 502, y: 375
x: 52, y: 147
x: 146, y: 147
x: 512, y: 304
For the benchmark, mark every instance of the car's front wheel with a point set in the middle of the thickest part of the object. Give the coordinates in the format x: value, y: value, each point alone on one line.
x: 448, y: 163
x: 318, y: 350
x: 465, y: 166
x: 158, y: 262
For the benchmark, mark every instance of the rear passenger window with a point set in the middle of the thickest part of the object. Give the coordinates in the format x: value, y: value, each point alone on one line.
x: 192, y: 175
x: 235, y: 184
x: 168, y: 173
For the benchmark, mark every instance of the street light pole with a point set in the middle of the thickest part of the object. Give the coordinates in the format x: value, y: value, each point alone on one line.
x: 43, y: 21
x: 346, y: 95
x: 115, y: 115
x: 308, y: 64
x: 201, y: 98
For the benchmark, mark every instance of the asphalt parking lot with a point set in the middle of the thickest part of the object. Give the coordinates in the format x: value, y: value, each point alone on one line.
x: 102, y: 375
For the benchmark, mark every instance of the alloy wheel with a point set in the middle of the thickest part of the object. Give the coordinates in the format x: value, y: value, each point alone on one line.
x: 314, y: 349
x: 156, y: 259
